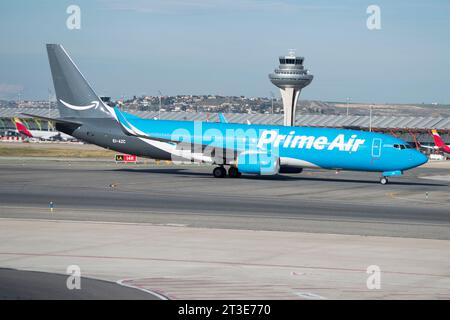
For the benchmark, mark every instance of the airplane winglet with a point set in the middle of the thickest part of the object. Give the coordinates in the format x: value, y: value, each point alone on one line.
x: 222, y: 118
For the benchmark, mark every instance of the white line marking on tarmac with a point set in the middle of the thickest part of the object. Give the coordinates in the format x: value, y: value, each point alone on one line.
x: 187, y: 213
x: 309, y: 296
x: 443, y: 177
x: 434, y: 202
x: 98, y: 222
x: 156, y: 294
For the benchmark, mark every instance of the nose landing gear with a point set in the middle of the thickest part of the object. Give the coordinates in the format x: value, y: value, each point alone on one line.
x: 385, y: 174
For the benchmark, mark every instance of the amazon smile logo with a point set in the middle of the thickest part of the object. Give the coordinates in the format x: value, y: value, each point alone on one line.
x: 94, y: 104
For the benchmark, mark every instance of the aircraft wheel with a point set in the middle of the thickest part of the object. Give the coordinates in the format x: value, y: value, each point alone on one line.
x: 219, y: 172
x: 233, y: 172
x: 384, y: 180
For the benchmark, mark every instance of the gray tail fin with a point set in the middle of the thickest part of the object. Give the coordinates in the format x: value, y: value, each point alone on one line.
x: 75, y: 97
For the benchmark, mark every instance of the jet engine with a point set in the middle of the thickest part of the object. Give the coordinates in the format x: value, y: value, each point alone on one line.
x: 258, y: 163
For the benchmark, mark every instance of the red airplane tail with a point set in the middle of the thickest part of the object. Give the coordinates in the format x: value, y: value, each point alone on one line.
x: 437, y: 139
x: 22, y: 129
x: 439, y: 142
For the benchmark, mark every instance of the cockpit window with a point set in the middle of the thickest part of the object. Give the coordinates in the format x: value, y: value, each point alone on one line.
x: 403, y: 146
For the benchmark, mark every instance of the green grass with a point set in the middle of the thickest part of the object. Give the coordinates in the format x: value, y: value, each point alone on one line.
x: 9, y: 151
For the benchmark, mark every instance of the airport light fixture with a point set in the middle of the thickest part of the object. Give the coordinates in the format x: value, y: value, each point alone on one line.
x: 348, y: 99
x: 273, y: 97
x: 19, y: 100
x: 160, y: 102
x: 49, y: 107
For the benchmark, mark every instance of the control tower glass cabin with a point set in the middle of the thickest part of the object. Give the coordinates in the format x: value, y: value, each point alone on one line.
x: 291, y: 77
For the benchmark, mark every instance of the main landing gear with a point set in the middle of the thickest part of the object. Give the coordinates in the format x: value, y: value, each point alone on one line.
x: 233, y: 172
x: 220, y: 172
x: 384, y: 180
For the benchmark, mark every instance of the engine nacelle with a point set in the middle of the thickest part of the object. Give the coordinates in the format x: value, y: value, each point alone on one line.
x: 258, y: 163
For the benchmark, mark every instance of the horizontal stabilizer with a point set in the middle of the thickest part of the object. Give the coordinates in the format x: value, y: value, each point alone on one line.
x: 53, y: 119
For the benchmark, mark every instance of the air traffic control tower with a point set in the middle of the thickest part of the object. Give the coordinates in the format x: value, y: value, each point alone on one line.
x: 291, y: 77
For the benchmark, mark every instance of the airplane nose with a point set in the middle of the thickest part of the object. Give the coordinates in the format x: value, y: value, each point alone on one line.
x: 420, y: 159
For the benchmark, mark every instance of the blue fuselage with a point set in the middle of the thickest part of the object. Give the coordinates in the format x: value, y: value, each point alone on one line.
x: 295, y: 146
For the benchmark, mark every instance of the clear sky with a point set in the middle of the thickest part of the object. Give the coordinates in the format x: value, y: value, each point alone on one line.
x: 134, y: 47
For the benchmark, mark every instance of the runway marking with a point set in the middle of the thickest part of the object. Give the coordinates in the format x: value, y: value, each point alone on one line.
x: 394, y: 195
x: 309, y: 296
x: 228, y: 263
x: 231, y: 196
x: 122, y: 282
x: 187, y: 213
x: 443, y: 177
x: 97, y: 222
x: 257, y: 198
x: 210, y: 288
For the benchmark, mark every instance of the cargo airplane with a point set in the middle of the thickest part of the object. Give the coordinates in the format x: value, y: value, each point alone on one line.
x: 242, y: 148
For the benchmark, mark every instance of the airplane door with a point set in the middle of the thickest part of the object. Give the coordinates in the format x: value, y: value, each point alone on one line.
x: 376, y: 148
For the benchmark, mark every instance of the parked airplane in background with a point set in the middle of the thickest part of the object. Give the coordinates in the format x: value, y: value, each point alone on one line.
x: 38, y: 134
x: 243, y: 148
x: 440, y: 144
x: 22, y: 129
